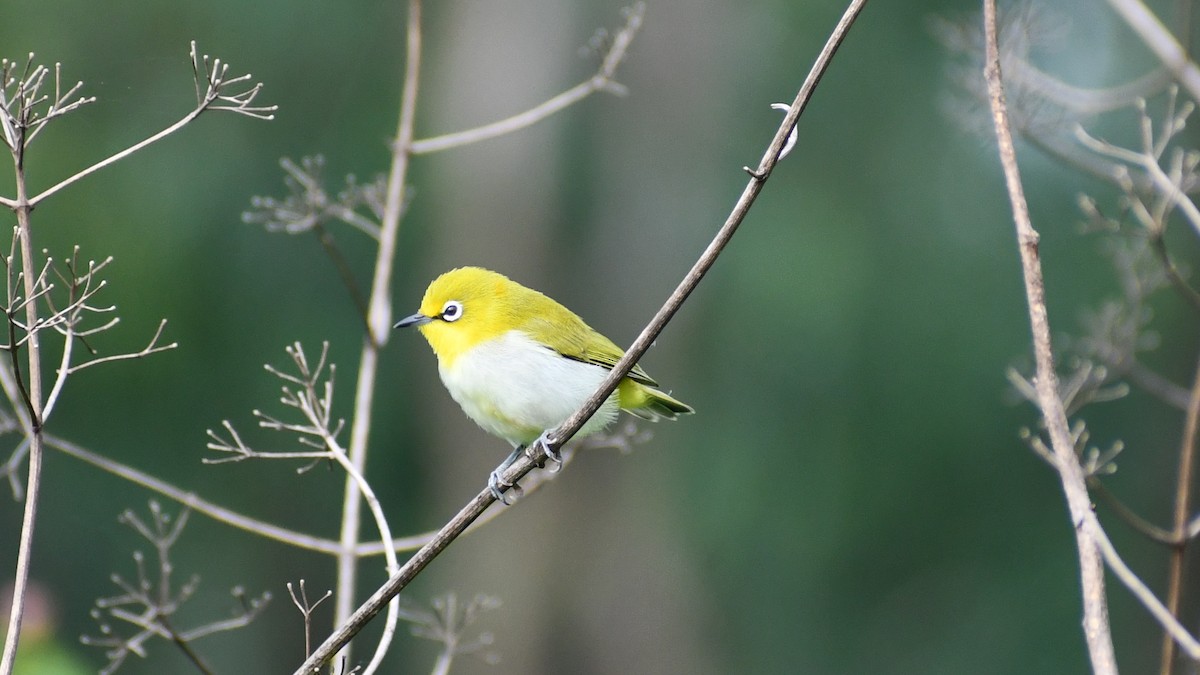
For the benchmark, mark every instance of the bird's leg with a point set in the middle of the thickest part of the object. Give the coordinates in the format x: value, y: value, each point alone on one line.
x: 512, y: 457
x: 497, y: 484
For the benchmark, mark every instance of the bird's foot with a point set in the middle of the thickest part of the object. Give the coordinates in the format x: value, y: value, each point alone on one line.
x: 553, y: 456
x: 498, y: 485
x: 501, y: 489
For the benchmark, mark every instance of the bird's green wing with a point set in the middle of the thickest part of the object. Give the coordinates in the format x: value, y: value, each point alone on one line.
x: 563, y: 331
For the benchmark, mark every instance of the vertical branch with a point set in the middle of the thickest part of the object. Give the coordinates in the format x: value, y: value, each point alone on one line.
x: 378, y: 318
x: 33, y: 399
x: 381, y: 300
x: 1095, y: 609
x: 1183, y: 505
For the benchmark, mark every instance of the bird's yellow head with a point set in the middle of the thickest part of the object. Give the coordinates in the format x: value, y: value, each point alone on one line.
x: 464, y: 307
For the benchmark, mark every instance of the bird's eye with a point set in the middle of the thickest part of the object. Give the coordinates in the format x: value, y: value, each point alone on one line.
x: 452, y: 311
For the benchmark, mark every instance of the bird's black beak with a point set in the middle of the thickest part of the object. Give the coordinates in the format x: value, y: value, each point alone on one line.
x: 417, y: 319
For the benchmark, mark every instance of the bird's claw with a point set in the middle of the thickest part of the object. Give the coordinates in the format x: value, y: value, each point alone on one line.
x: 501, y: 488
x: 553, y: 456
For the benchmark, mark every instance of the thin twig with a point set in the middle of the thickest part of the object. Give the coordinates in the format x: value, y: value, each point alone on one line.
x: 314, y: 398
x: 1155, y: 384
x: 151, y: 348
x: 1148, y: 161
x: 233, y: 518
x: 149, y: 602
x: 1159, y: 244
x: 344, y: 270
x: 538, y: 452
x: 1160, y: 41
x: 20, y: 97
x: 21, y: 578
x: 1086, y: 100
x: 32, y: 393
x: 113, y: 159
x: 194, y: 502
x: 206, y: 101
x: 1183, y: 505
x: 602, y: 80
x: 64, y: 368
x: 183, y: 644
x: 1131, y: 518
x: 393, y: 565
x: 310, y: 391
x: 1095, y: 609
x: 306, y: 608
x: 1142, y: 592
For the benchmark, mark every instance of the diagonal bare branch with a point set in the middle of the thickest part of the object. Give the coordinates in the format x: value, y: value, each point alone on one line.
x: 539, y: 452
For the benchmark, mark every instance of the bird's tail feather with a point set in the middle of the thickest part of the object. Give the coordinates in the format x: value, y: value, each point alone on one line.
x: 648, y: 403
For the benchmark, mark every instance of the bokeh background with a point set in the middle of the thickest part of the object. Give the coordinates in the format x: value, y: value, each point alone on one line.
x: 852, y: 496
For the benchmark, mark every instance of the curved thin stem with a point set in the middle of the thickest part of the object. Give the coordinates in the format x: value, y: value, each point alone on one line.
x: 385, y: 534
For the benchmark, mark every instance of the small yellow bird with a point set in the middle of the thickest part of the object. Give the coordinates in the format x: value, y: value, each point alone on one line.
x: 519, y: 363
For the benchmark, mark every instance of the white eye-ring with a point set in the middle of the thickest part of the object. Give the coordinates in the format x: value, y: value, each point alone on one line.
x: 452, y: 311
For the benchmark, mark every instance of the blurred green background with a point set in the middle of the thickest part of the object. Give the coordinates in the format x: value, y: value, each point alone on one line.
x: 852, y: 496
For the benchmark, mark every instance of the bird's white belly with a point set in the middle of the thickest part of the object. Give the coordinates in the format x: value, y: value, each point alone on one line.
x: 515, y: 388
